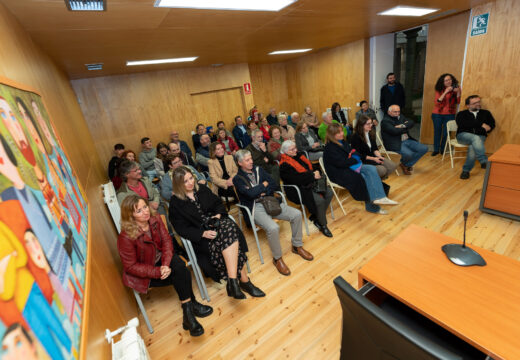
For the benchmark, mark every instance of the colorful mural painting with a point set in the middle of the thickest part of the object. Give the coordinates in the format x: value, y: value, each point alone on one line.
x: 43, y: 234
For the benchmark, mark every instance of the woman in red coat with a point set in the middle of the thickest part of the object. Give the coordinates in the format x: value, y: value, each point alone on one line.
x: 227, y: 142
x: 146, y: 252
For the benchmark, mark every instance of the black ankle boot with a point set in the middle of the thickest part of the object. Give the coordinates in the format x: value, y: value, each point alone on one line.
x: 200, y: 310
x: 233, y: 289
x: 189, y: 322
x: 252, y: 290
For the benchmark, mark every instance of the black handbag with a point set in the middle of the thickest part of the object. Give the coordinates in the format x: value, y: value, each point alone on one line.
x: 319, y: 186
x: 271, y: 204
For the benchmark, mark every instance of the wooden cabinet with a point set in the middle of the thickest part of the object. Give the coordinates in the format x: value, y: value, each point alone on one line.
x: 501, y: 190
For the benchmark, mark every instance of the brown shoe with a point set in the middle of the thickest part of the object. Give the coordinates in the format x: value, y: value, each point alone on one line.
x: 302, y: 252
x: 281, y: 267
x: 405, y: 169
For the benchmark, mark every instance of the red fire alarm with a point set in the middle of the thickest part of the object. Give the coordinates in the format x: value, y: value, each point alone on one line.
x: 247, y: 88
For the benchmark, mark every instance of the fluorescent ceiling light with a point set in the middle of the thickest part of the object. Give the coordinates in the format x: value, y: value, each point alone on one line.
x: 407, y: 11
x: 247, y: 5
x: 279, y: 52
x: 159, y: 61
x: 86, y: 5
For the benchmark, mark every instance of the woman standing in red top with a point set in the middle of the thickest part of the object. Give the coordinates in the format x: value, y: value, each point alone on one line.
x: 447, y: 97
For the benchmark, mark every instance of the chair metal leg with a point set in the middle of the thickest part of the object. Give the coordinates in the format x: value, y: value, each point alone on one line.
x: 248, y: 268
x: 254, y: 227
x: 331, y: 212
x: 143, y: 311
x: 337, y: 198
x: 306, y: 222
x: 196, y: 270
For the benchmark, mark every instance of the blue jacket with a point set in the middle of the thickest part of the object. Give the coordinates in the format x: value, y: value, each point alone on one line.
x: 242, y: 139
x: 185, y: 148
x: 248, y: 194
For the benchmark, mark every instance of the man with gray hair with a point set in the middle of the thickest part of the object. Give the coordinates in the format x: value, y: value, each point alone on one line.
x: 252, y: 183
x: 327, y: 120
x: 202, y: 156
x: 261, y: 157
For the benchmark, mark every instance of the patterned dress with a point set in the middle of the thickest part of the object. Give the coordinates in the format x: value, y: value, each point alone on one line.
x: 227, y: 234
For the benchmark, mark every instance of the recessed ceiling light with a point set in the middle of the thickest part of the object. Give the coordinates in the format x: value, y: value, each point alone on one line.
x: 280, y: 52
x: 97, y: 66
x: 86, y: 5
x: 247, y: 5
x: 160, y: 61
x: 407, y: 11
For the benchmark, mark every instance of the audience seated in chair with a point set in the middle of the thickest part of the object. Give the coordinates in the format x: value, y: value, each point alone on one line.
x: 113, y: 165
x: 148, y: 260
x: 364, y: 142
x: 160, y: 159
x: 252, y: 183
x: 275, y: 141
x: 146, y: 158
x: 227, y: 142
x: 338, y: 114
x: 222, y: 170
x: 240, y: 133
x: 264, y: 126
x: 311, y: 119
x: 174, y: 138
x: 396, y: 137
x: 288, y: 131
x: 199, y: 216
x: 365, y: 110
x: 174, y: 161
x: 296, y: 169
x: 173, y: 149
x: 222, y: 125
x: 200, y: 130
x: 307, y: 140
x: 344, y: 167
x: 272, y: 119
x: 202, y: 155
x: 473, y: 127
x: 262, y: 157
x: 135, y: 183
x: 327, y: 120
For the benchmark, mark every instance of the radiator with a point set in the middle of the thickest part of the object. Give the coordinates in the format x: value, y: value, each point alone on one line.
x: 130, y: 345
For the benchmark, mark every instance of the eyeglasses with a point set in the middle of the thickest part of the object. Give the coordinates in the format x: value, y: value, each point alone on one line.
x: 135, y: 170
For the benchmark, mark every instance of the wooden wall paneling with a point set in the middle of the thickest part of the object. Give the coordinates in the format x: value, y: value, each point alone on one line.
x: 444, y: 54
x: 153, y: 104
x: 492, y: 70
x: 270, y: 86
x: 21, y: 60
x: 231, y: 102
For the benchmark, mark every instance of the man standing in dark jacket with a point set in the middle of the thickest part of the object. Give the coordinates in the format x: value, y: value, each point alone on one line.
x: 394, y: 129
x: 391, y: 94
x: 473, y: 126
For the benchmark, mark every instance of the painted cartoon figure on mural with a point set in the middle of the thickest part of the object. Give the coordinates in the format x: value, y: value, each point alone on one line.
x: 43, y: 235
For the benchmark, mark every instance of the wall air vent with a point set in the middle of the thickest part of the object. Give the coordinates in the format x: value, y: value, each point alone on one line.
x: 86, y: 5
x: 98, y: 66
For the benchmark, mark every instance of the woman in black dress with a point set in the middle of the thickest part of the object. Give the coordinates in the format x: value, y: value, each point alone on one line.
x: 199, y: 215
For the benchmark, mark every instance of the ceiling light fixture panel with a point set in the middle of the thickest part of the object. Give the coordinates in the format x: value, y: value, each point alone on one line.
x: 86, y: 5
x: 281, y: 52
x: 160, y: 61
x: 244, y: 5
x: 407, y: 11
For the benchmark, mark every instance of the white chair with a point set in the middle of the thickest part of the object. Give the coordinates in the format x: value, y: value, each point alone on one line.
x: 110, y: 199
x: 334, y: 186
x: 252, y: 222
x: 196, y: 269
x: 451, y: 143
x: 306, y: 222
x: 383, y: 149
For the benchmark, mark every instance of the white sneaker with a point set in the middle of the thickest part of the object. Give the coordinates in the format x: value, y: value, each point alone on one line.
x: 385, y: 201
x: 382, y: 212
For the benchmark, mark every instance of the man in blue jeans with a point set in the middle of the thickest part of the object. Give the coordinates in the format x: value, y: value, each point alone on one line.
x: 473, y: 126
x: 394, y: 130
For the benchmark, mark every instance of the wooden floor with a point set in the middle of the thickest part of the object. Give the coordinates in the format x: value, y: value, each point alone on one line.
x: 300, y: 318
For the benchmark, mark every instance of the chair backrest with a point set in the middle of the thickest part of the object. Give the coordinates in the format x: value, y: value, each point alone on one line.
x: 110, y: 198
x: 451, y: 126
x: 378, y: 138
x: 369, y: 332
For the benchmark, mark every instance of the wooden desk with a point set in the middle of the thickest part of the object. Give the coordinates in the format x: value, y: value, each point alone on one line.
x: 481, y: 305
x: 501, y: 190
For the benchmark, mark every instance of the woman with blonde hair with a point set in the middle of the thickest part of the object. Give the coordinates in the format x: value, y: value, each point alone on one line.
x: 199, y: 215
x: 146, y: 252
x: 344, y: 167
x: 222, y: 170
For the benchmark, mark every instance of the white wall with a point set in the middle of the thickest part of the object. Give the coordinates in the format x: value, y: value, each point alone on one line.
x: 381, y: 63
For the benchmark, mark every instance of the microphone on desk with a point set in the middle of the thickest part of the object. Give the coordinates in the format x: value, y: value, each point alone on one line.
x: 462, y: 255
